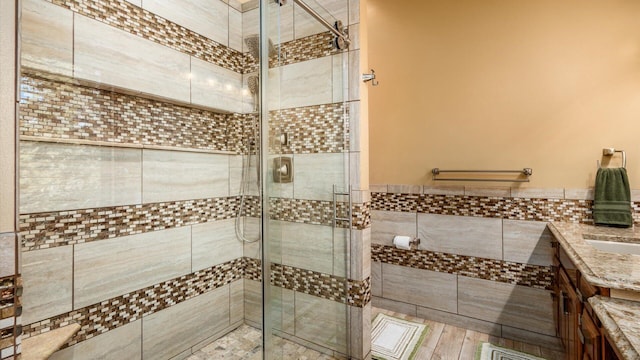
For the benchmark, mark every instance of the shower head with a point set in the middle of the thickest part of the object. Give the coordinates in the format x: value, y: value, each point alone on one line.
x: 253, y: 43
x: 253, y: 83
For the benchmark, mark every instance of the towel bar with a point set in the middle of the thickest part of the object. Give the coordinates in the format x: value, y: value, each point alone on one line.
x: 526, y: 172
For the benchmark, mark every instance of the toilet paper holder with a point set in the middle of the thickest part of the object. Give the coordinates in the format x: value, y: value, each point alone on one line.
x: 406, y: 242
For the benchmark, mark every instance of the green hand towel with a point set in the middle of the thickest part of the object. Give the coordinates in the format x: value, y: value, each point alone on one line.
x: 612, y: 205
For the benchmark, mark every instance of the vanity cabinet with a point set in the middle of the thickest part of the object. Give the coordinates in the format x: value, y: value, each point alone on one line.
x: 576, y: 324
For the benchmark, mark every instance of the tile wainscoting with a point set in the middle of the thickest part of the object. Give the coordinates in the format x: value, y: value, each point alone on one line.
x: 485, y: 257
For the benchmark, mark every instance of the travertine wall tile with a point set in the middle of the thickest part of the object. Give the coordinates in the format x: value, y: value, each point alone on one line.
x: 460, y: 321
x: 164, y: 337
x: 46, y: 37
x: 470, y: 236
x: 193, y: 175
x: 62, y: 177
x: 48, y: 283
x: 421, y: 287
x: 397, y: 306
x: 209, y: 17
x: 108, y: 268
x: 543, y: 193
x: 307, y: 83
x: 215, y: 87
x: 253, y: 301
x: 387, y: 224
x: 128, y: 61
x: 527, y: 242
x: 214, y: 243
x: 506, y: 304
x: 7, y: 254
x: 321, y: 321
x: 376, y: 278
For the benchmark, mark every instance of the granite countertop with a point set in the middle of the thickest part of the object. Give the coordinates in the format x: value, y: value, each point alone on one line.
x: 600, y: 268
x: 621, y: 320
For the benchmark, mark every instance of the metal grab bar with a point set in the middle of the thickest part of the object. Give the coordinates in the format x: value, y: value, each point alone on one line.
x: 526, y: 172
x: 324, y: 22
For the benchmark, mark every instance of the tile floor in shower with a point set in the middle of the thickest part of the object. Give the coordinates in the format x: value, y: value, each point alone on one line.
x: 442, y: 342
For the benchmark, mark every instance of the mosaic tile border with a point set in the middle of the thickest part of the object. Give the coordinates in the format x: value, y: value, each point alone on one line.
x: 311, y: 129
x: 118, y: 311
x: 318, y: 212
x: 492, y: 207
x: 140, y: 22
x: 307, y: 48
x: 330, y: 287
x: 535, y: 276
x: 60, y: 228
x: 55, y: 107
x: 10, y: 311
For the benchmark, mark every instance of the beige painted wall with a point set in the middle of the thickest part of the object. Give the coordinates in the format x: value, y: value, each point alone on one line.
x: 499, y: 84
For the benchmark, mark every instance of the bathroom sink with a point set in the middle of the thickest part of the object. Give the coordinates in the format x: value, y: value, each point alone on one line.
x: 615, y: 246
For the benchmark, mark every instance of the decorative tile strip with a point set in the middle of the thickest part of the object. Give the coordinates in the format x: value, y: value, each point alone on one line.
x: 307, y: 48
x: 59, y: 228
x: 326, y: 286
x: 361, y: 216
x: 60, y: 109
x: 118, y: 311
x: 359, y: 292
x: 252, y: 269
x: 132, y: 19
x: 318, y: 212
x: 311, y: 129
x: 10, y: 311
x: 534, y: 276
x: 493, y: 207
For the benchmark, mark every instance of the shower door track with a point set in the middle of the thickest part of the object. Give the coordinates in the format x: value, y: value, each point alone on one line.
x: 332, y: 28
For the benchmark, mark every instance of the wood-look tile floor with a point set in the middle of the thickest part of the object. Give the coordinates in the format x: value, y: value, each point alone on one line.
x: 443, y: 341
x: 450, y: 342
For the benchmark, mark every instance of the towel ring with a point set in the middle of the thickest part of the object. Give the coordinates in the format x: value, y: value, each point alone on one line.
x: 610, y: 152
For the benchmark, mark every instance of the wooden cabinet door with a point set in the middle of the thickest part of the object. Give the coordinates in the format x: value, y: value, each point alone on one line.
x: 590, y: 337
x: 570, y: 308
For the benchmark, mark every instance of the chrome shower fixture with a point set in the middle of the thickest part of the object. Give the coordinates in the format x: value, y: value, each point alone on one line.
x: 253, y: 43
x: 253, y: 83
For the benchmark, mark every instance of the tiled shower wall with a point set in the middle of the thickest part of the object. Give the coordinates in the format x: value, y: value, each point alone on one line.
x: 484, y: 260
x: 10, y: 281
x: 131, y: 124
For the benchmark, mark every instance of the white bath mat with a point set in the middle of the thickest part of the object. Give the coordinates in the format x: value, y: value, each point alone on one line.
x: 395, y: 339
x: 487, y: 351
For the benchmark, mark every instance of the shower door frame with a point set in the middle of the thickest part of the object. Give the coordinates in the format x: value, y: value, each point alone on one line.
x: 268, y: 346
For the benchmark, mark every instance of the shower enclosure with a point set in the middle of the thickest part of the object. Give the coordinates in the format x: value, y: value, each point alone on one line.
x: 189, y: 167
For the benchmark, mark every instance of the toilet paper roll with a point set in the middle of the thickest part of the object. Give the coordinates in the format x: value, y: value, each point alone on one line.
x: 402, y: 242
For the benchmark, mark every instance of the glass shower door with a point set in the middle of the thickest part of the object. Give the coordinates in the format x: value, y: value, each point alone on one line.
x: 305, y: 164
